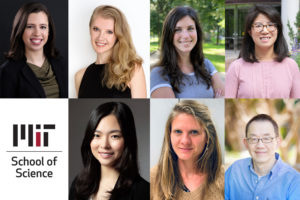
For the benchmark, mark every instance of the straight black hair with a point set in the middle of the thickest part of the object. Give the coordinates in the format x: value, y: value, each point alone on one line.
x: 88, y: 180
x: 248, y: 46
x: 263, y: 117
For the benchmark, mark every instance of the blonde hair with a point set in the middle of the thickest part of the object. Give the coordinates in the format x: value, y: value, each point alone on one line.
x: 209, y: 161
x: 124, y: 58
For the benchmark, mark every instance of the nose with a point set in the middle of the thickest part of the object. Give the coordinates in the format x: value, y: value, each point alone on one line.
x: 104, y: 142
x: 264, y: 29
x: 36, y: 31
x: 186, y: 139
x: 184, y: 33
x: 260, y: 143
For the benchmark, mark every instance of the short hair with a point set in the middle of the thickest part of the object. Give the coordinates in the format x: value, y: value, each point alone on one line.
x: 169, y: 56
x: 263, y: 117
x: 17, y: 46
x: 124, y: 59
x: 248, y: 47
x: 88, y: 180
x: 209, y: 162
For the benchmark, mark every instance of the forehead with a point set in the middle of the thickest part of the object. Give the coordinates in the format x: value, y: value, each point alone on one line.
x: 185, y: 21
x: 184, y: 120
x: 261, y: 18
x: 261, y: 128
x: 108, y: 122
x: 39, y: 17
x: 101, y: 21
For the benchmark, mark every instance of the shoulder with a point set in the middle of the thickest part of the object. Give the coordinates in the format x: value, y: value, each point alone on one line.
x: 157, y: 71
x: 12, y: 65
x: 141, y: 183
x: 239, y: 164
x: 291, y: 63
x: 140, y: 189
x: 209, y: 66
x: 80, y: 72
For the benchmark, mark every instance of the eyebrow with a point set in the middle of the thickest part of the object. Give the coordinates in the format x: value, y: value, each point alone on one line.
x: 265, y: 134
x: 111, y: 131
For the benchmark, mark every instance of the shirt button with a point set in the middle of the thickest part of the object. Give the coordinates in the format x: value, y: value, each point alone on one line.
x: 257, y: 197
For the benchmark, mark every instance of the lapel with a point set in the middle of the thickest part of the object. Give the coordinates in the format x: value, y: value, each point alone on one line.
x: 33, y: 81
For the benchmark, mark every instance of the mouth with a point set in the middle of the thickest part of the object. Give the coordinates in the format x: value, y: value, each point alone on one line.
x: 185, y: 149
x: 260, y: 152
x: 106, y: 155
x: 265, y: 38
x: 100, y: 44
x: 36, y: 41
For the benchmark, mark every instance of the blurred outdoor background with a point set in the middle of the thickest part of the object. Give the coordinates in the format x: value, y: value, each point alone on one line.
x: 286, y: 112
x: 211, y: 14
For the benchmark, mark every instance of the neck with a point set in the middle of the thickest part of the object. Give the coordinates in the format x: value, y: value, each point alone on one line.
x: 109, y: 173
x: 186, y: 168
x: 103, y: 58
x: 35, y: 57
x: 266, y: 54
x: 184, y: 63
x: 262, y: 169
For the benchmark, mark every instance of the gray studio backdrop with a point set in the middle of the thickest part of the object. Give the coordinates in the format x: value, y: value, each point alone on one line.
x: 160, y: 110
x: 79, y: 112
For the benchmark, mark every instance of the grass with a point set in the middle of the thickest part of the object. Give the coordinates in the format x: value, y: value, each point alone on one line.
x: 214, y: 53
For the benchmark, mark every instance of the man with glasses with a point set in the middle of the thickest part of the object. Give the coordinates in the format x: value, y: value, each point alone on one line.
x: 264, y: 176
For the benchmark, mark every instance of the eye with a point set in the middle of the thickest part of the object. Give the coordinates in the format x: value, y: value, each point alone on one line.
x: 194, y: 132
x: 177, y: 131
x: 110, y: 32
x: 43, y: 27
x: 191, y: 28
x: 177, y: 30
x: 96, y: 135
x: 29, y: 26
x: 95, y: 29
x: 116, y: 136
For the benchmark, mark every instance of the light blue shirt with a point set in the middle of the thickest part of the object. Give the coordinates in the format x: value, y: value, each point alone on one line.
x: 242, y: 183
x: 191, y: 87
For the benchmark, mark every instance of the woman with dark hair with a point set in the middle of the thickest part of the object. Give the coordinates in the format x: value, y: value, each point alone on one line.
x: 117, y: 71
x: 182, y: 70
x: 190, y: 164
x: 109, y: 155
x: 263, y: 69
x: 33, y: 68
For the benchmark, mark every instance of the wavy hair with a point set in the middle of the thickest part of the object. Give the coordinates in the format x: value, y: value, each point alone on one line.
x: 17, y: 46
x: 169, y: 56
x: 124, y: 58
x: 88, y: 180
x: 209, y: 161
x: 248, y: 46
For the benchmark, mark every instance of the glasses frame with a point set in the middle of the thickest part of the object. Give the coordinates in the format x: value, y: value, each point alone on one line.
x: 260, y: 139
x: 263, y: 26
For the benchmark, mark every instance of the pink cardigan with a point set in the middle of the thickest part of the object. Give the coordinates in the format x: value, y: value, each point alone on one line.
x: 266, y: 79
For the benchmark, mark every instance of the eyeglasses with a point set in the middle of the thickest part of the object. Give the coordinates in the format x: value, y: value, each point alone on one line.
x: 259, y: 27
x: 254, y: 140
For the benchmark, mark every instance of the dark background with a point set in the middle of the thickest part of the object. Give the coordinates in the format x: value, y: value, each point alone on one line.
x: 79, y: 112
x: 58, y: 10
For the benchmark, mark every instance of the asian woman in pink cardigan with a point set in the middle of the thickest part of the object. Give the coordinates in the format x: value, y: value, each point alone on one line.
x: 263, y: 69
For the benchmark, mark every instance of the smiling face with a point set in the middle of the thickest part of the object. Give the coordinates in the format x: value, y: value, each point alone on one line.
x: 185, y: 36
x: 36, y: 32
x: 262, y: 153
x: 103, y: 36
x: 108, y: 143
x: 264, y: 39
x: 188, y: 138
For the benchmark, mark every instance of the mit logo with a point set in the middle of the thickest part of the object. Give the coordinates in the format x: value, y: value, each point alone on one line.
x: 29, y: 136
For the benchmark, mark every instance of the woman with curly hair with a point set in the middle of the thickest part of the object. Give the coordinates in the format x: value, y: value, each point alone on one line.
x: 118, y: 71
x: 182, y: 71
x: 190, y: 165
x: 109, y: 155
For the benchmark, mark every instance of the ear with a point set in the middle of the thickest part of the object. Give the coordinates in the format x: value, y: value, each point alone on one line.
x: 246, y: 143
x: 249, y: 32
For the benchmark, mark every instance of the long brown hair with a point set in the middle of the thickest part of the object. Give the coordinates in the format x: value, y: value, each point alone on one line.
x: 209, y: 162
x: 17, y: 47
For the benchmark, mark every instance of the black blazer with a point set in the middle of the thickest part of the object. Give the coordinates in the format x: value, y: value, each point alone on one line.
x: 140, y: 190
x: 17, y: 80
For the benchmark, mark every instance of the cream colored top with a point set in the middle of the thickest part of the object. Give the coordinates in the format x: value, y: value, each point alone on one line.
x: 214, y: 192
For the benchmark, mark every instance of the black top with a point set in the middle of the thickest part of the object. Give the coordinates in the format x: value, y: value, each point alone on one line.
x: 91, y: 85
x: 17, y: 80
x: 140, y: 190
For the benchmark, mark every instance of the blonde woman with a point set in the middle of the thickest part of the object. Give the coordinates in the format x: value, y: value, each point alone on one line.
x: 190, y: 165
x: 117, y: 71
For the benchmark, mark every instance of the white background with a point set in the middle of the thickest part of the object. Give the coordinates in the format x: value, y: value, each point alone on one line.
x: 81, y: 53
x: 34, y: 111
x: 159, y: 112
